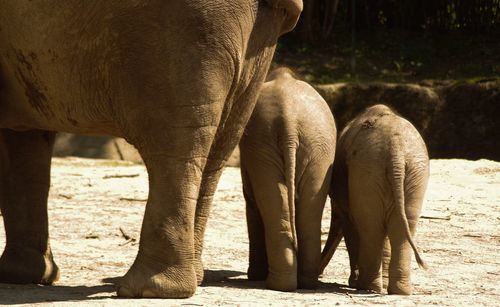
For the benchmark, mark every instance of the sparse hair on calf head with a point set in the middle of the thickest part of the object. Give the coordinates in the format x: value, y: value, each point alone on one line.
x: 282, y: 71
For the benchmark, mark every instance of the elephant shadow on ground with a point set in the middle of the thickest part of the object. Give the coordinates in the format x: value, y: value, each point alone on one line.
x: 236, y: 279
x: 12, y: 294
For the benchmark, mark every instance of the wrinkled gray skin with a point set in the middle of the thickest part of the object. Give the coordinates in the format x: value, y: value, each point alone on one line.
x: 379, y: 180
x: 287, y: 153
x: 178, y: 79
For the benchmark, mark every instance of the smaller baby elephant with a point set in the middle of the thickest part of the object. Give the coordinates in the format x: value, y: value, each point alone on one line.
x: 379, y: 180
x: 287, y: 153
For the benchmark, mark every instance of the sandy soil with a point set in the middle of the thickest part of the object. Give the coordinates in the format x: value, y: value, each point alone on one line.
x: 95, y: 204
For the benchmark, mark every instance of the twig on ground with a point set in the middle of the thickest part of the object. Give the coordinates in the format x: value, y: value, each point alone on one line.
x: 470, y: 235
x: 126, y: 236
x: 120, y: 176
x: 429, y: 217
x: 91, y: 235
x: 133, y: 199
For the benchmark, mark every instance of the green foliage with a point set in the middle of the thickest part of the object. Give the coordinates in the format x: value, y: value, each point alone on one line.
x: 395, y: 56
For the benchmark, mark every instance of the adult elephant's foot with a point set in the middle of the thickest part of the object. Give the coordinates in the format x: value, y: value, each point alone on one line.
x: 27, y: 265
x: 400, y: 287
x: 281, y: 282
x: 169, y: 282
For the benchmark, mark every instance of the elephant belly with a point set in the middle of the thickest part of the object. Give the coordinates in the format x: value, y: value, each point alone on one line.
x: 53, y: 77
x: 35, y: 96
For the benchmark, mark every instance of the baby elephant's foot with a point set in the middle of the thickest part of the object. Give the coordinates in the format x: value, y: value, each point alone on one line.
x: 353, y: 278
x: 372, y: 285
x: 169, y: 282
x: 308, y: 282
x: 399, y: 287
x: 255, y: 272
x: 282, y: 282
x: 25, y: 265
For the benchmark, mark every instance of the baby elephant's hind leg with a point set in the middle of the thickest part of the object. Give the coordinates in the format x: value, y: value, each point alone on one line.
x: 401, y: 251
x: 257, y: 266
x: 399, y: 266
x: 309, y: 210
x: 367, y: 217
x: 272, y: 201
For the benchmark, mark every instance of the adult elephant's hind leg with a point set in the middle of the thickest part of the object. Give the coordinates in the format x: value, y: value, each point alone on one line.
x: 164, y: 266
x: 24, y: 184
x: 174, y: 143
x: 386, y: 258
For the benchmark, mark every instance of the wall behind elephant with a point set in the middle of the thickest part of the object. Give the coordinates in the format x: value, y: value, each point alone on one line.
x: 96, y: 147
x: 456, y: 120
x: 106, y: 147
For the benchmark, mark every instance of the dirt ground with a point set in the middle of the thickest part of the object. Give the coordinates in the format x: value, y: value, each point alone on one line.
x: 95, y: 205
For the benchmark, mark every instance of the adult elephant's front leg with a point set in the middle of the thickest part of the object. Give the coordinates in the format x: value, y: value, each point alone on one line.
x: 24, y: 184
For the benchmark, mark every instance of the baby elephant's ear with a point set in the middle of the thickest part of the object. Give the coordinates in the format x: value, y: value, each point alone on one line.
x: 293, y: 8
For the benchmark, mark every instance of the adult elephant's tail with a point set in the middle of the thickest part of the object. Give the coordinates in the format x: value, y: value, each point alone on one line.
x: 398, y: 171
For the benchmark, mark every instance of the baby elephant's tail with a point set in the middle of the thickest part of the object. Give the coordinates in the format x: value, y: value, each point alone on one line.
x: 290, y: 153
x: 398, y: 174
x: 334, y: 237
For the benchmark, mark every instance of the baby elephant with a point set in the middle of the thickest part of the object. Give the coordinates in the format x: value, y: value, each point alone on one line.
x: 287, y: 153
x: 379, y: 180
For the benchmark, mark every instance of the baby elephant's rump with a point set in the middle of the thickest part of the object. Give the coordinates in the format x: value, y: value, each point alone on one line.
x: 380, y: 177
x: 287, y: 153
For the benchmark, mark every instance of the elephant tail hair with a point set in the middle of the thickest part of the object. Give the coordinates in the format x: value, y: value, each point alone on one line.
x: 398, y: 170
x: 290, y: 153
x: 332, y: 242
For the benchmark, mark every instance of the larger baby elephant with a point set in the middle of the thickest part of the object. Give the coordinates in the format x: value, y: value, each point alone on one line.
x: 178, y: 79
x: 287, y: 153
x: 379, y: 180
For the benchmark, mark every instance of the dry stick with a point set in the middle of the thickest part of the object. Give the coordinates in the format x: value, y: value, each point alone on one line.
x: 446, y: 218
x: 118, y: 150
x: 126, y: 236
x: 470, y: 235
x: 121, y: 176
x: 133, y: 199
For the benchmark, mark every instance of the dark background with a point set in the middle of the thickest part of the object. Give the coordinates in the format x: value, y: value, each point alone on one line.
x: 394, y: 40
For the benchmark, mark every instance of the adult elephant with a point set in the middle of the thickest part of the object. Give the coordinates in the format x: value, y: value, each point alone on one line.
x: 178, y: 79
